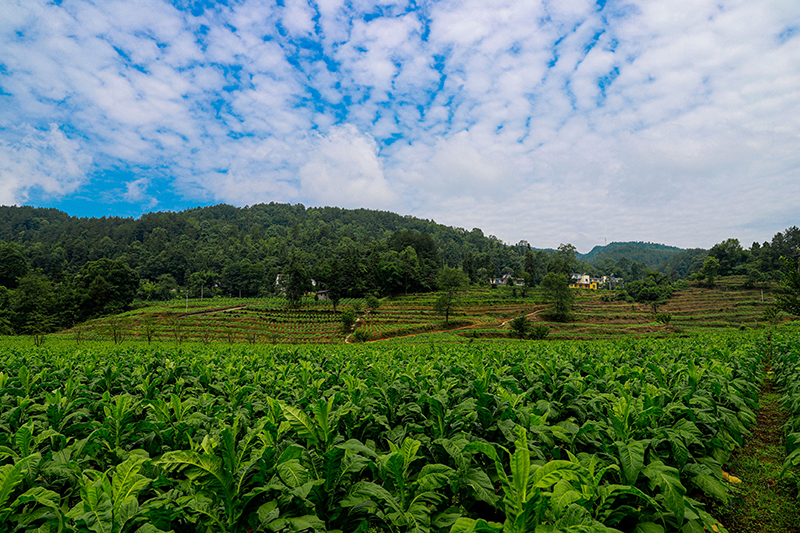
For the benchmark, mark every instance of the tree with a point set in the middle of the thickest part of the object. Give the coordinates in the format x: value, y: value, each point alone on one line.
x: 372, y: 302
x: 730, y: 255
x: 789, y: 298
x: 556, y: 289
x: 200, y: 283
x: 449, y: 282
x: 297, y: 281
x: 108, y: 286
x: 709, y: 270
x: 13, y: 264
x: 243, y: 278
x: 564, y: 261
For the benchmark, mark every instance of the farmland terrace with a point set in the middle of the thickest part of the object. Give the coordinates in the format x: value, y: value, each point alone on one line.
x: 479, y: 314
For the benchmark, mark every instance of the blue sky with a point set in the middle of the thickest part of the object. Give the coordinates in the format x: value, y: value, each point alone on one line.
x: 550, y: 121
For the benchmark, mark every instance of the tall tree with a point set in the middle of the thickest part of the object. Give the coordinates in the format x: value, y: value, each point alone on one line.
x: 449, y: 282
x: 109, y: 286
x: 564, y: 261
x: 13, y: 264
x: 297, y: 281
x: 789, y: 297
x: 556, y: 289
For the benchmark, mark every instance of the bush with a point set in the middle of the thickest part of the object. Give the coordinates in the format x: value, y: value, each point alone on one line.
x: 372, y: 302
x: 348, y: 319
x: 663, y: 318
x: 361, y: 335
x: 539, y: 332
x: 520, y: 327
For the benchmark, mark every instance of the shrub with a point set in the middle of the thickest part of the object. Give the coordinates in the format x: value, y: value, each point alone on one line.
x: 539, y: 332
x: 520, y: 327
x: 372, y: 302
x: 361, y: 335
x: 663, y: 318
x: 348, y: 319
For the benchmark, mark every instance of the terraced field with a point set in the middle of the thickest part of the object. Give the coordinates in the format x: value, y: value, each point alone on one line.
x: 481, y: 313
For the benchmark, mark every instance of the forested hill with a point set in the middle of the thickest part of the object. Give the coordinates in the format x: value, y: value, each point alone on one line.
x: 649, y: 253
x: 369, y: 244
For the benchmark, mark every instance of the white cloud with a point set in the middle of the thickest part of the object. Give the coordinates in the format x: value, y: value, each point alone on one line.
x: 534, y: 120
x: 344, y: 170
x: 46, y: 162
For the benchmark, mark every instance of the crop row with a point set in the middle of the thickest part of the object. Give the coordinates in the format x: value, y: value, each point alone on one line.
x: 785, y: 352
x: 512, y: 437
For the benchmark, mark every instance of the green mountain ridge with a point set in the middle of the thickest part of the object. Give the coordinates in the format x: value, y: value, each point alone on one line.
x: 651, y: 254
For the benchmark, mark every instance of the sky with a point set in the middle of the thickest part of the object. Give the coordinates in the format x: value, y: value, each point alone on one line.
x: 556, y: 121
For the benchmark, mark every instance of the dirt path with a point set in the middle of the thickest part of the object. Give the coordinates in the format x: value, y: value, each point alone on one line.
x: 762, y: 502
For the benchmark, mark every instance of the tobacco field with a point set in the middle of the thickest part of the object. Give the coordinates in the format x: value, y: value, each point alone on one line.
x: 628, y: 435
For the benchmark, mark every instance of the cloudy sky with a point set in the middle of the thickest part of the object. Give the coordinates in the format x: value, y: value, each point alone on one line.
x: 552, y: 121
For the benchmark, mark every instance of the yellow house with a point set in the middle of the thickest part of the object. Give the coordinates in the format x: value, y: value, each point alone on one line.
x: 583, y: 281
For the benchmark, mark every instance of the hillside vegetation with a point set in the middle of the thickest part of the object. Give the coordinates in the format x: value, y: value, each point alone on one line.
x: 58, y: 271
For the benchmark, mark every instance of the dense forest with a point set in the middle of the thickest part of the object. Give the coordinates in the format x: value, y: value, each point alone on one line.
x: 57, y: 270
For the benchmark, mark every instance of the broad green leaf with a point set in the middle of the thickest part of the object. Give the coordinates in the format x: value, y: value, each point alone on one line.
x: 12, y: 475
x: 711, y: 486
x: 648, y: 527
x: 563, y: 495
x: 302, y: 424
x: 268, y: 512
x: 409, y: 451
x: 356, y: 446
x: 668, y: 480
x: 127, y: 482
x: 150, y: 528
x: 468, y: 525
x: 693, y: 526
x: 548, y: 475
x: 521, y: 465
x: 40, y: 495
x: 98, y: 511
x: 631, y: 459
x: 292, y: 473
x: 367, y: 490
x: 479, y: 482
x: 200, y: 465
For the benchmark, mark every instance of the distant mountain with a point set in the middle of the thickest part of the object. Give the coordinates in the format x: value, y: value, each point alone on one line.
x: 649, y: 253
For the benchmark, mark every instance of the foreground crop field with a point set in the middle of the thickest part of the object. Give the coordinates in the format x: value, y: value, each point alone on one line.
x: 628, y: 435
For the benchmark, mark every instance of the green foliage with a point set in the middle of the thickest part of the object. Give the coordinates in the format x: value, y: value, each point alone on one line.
x: 372, y: 302
x: 556, y: 290
x: 663, y: 318
x: 615, y: 436
x: 655, y: 287
x: 348, y: 317
x: 709, y: 270
x: 297, y: 281
x: 109, y: 286
x: 361, y: 335
x: 788, y: 299
x: 449, y: 281
x: 539, y: 331
x: 730, y: 256
x: 772, y: 314
x: 520, y: 327
x: 13, y: 264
